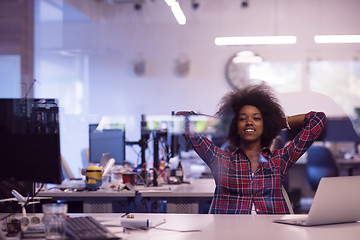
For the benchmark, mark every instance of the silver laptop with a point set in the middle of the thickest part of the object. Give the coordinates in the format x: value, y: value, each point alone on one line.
x: 337, y: 200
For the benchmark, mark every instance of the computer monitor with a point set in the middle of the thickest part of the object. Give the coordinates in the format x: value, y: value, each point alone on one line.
x: 341, y: 129
x: 337, y: 129
x: 111, y: 141
x: 29, y: 140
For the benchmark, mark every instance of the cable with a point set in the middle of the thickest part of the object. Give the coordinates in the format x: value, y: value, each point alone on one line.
x: 26, y: 203
x: 30, y: 87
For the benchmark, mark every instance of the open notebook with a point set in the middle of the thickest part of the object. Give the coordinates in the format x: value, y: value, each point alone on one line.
x: 337, y: 200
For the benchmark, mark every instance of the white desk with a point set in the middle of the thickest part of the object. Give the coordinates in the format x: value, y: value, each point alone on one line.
x: 349, y: 165
x: 228, y: 227
x: 196, y: 188
x: 183, y: 198
x: 100, y: 201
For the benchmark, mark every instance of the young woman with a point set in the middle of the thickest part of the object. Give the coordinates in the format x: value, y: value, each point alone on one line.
x: 248, y: 175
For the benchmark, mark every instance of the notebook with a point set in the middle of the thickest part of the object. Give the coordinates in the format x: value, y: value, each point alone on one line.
x: 337, y: 200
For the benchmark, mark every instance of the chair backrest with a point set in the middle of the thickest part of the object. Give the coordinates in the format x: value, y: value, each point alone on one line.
x: 320, y: 163
x: 287, y: 199
x: 85, y: 157
x: 67, y: 173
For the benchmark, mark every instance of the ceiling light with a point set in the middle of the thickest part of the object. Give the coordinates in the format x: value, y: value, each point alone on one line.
x: 176, y: 10
x: 255, y: 40
x: 337, y: 38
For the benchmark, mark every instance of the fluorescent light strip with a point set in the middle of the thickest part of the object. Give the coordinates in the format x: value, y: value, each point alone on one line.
x: 178, y: 13
x: 176, y: 10
x: 255, y: 40
x: 170, y: 2
x: 337, y: 38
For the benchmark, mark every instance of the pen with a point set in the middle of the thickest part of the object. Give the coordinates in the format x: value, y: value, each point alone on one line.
x: 123, y: 233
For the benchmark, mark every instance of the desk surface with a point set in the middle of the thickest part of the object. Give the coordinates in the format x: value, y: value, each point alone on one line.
x: 348, y: 161
x: 196, y: 188
x: 208, y: 226
x: 87, y: 194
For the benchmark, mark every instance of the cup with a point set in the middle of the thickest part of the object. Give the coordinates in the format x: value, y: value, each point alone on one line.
x: 116, y: 178
x: 54, y: 220
x: 129, y: 178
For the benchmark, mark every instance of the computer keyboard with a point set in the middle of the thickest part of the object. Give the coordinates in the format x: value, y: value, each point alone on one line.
x: 87, y: 228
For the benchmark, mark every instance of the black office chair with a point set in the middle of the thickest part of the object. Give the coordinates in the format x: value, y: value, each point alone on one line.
x: 320, y: 163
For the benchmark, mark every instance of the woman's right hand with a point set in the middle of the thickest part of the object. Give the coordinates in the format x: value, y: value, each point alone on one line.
x: 185, y: 113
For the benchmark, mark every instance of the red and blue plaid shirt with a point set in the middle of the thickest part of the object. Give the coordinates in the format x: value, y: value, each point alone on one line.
x: 237, y: 189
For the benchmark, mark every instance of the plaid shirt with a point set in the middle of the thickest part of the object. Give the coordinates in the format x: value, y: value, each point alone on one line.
x: 237, y: 189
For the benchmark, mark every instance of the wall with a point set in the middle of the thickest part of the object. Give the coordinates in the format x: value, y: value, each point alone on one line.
x: 86, y: 56
x: 17, y: 43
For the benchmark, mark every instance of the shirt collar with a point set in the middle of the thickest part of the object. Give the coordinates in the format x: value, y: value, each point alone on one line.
x: 262, y: 159
x: 264, y: 153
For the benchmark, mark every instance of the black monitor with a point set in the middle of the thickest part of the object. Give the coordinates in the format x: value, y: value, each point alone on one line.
x: 341, y: 129
x: 29, y: 140
x: 337, y: 129
x: 110, y: 141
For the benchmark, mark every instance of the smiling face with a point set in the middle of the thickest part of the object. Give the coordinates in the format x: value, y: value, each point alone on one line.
x: 250, y: 124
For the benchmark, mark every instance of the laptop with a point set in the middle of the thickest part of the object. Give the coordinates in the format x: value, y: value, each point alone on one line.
x: 337, y: 200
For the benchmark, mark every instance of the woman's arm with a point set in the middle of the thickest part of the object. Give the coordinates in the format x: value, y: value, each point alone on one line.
x: 295, y: 121
x: 206, y: 150
x: 312, y: 125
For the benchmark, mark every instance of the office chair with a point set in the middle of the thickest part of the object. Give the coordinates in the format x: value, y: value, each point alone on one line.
x: 66, y: 171
x: 277, y: 144
x: 320, y: 163
x: 85, y: 157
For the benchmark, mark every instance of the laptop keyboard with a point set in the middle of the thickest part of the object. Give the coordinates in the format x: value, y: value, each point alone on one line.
x: 87, y: 228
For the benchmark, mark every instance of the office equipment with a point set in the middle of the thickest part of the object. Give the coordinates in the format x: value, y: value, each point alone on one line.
x: 22, y: 201
x: 341, y: 129
x: 87, y: 228
x: 111, y: 141
x: 337, y: 129
x: 29, y: 140
x: 336, y: 201
x: 320, y: 163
